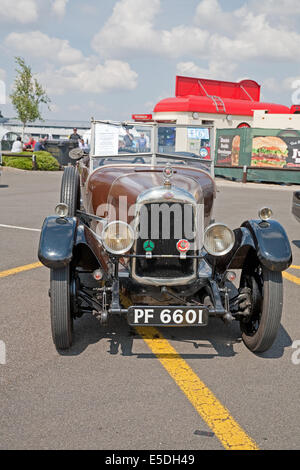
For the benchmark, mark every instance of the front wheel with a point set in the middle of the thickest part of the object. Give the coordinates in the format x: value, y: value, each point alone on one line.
x: 70, y: 190
x: 60, y: 308
x: 260, y: 329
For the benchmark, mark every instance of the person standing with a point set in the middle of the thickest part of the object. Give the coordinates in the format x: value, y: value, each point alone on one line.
x: 75, y: 137
x: 128, y: 139
x: 142, y: 143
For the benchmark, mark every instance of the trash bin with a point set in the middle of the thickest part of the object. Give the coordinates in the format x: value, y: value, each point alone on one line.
x: 60, y: 150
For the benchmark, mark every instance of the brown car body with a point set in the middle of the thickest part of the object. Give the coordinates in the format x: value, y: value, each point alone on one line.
x: 175, y: 277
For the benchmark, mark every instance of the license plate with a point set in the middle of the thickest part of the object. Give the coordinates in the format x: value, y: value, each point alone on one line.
x: 167, y: 316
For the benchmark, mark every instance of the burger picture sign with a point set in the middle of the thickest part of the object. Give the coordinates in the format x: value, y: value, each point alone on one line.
x: 276, y: 152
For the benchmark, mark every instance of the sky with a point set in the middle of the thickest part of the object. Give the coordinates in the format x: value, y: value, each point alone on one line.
x: 109, y: 59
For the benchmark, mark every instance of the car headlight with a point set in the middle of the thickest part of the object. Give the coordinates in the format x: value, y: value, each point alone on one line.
x: 62, y: 210
x: 117, y: 237
x: 265, y: 213
x: 218, y: 239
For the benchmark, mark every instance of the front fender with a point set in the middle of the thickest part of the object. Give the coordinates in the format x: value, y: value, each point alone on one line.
x: 57, y: 241
x: 271, y: 243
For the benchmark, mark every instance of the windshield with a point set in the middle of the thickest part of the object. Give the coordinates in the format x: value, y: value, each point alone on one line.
x: 152, y: 144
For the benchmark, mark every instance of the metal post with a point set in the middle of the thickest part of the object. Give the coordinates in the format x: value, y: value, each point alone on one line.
x: 212, y: 151
x: 245, y: 168
x: 154, y: 145
x: 34, y: 165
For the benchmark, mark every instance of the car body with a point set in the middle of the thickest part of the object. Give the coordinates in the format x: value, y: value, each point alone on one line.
x: 296, y: 205
x: 142, y: 244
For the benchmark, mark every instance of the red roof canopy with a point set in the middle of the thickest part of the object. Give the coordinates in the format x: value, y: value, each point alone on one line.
x: 215, y: 96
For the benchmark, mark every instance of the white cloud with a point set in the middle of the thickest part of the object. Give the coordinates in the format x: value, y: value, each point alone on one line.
x: 21, y: 11
x: 89, y: 76
x: 39, y: 45
x: 66, y: 69
x: 275, y: 7
x: 130, y: 28
x: 216, y: 70
x: 209, y: 15
x: 59, y: 7
x: 130, y: 31
x: 243, y: 34
x: 183, y: 40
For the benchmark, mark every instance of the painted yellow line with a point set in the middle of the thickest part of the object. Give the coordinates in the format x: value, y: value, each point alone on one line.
x: 294, y: 267
x: 20, y: 269
x: 291, y: 277
x: 216, y: 416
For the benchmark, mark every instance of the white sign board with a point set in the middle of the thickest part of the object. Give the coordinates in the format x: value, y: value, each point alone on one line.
x: 106, y: 139
x: 198, y: 133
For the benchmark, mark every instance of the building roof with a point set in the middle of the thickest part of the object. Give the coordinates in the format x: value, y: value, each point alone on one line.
x: 217, y: 97
x: 51, y: 123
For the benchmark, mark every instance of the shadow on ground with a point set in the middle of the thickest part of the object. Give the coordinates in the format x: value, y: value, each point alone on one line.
x: 296, y: 243
x: 215, y: 340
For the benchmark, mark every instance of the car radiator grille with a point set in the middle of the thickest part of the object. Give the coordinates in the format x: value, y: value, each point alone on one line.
x: 165, y: 229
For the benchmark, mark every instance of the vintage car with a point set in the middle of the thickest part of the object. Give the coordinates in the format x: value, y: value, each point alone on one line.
x: 296, y: 205
x: 133, y: 236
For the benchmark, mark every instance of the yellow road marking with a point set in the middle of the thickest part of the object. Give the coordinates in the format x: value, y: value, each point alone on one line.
x: 20, y: 269
x: 291, y: 278
x: 294, y: 267
x: 216, y: 416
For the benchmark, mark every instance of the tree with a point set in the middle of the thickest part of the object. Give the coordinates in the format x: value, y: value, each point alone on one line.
x: 27, y: 95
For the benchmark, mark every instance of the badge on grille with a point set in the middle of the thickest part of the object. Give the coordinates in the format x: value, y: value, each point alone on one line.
x: 149, y: 245
x: 183, y: 246
x: 168, y: 173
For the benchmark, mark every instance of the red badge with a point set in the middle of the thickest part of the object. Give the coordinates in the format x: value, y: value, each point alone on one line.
x: 183, y: 246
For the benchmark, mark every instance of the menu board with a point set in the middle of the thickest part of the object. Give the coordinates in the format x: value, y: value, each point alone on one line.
x: 228, y: 150
x: 276, y: 152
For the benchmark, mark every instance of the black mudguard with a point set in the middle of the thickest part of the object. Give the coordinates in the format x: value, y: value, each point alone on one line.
x: 57, y: 241
x: 271, y: 244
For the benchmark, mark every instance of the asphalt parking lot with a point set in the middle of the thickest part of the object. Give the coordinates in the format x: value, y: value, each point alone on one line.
x: 118, y: 389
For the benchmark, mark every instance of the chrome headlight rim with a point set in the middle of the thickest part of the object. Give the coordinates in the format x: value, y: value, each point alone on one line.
x: 265, y: 213
x: 61, y: 210
x: 227, y: 250
x: 109, y: 249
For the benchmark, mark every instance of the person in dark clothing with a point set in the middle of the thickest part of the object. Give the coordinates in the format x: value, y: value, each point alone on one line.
x: 39, y: 146
x: 128, y: 139
x: 75, y: 136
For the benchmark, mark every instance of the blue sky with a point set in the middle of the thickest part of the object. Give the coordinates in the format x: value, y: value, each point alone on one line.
x: 111, y: 58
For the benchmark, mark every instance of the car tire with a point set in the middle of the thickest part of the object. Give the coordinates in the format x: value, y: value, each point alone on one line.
x: 70, y: 190
x: 260, y: 331
x: 60, y: 308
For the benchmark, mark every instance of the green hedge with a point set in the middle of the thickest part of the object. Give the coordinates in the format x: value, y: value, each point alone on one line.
x: 44, y: 160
